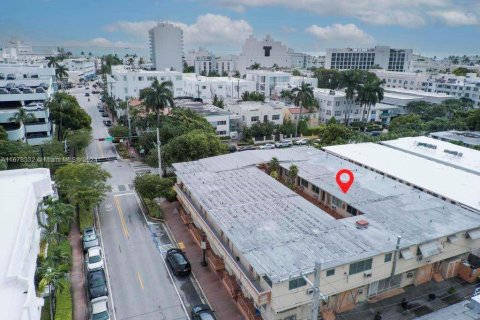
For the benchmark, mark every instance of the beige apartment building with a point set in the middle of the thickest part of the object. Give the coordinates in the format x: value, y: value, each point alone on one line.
x: 263, y: 238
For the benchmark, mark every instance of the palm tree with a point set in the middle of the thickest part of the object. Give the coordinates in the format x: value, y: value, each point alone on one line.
x: 61, y: 72
x: 286, y: 95
x: 52, y: 278
x: 58, y: 213
x: 350, y: 81
x: 52, y: 62
x: 255, y: 66
x: 369, y: 94
x: 50, y: 233
x: 23, y: 117
x: 59, y: 258
x: 303, y: 97
x: 141, y: 61
x: 158, y: 97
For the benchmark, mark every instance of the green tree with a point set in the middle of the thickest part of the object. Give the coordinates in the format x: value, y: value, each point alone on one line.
x: 255, y: 66
x: 83, y: 184
x: 461, y: 71
x: 473, y: 120
x: 193, y: 145
x: 79, y: 139
x: 16, y: 150
x: 334, y: 133
x: 274, y: 166
x: 3, y: 133
x: 61, y: 73
x: 218, y: 102
x: 22, y: 117
x: 57, y: 212
x: 52, y: 62
x: 296, y: 73
x: 67, y: 114
x: 287, y: 96
x: 304, y: 98
x: 259, y: 130
x: 327, y: 78
x: 158, y: 96
x: 292, y: 175
x: 253, y: 96
x: 369, y: 94
x: 53, y: 279
x: 151, y: 186
x: 409, y: 122
x: 349, y: 80
x: 187, y: 68
x: 118, y: 131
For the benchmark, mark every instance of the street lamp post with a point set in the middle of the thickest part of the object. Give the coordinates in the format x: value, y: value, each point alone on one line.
x: 203, y: 245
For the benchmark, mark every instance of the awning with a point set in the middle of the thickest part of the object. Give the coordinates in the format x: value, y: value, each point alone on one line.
x: 406, y: 254
x: 474, y: 234
x: 430, y: 249
x: 453, y: 238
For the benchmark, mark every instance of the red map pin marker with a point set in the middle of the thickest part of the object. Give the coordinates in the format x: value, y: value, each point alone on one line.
x: 345, y: 185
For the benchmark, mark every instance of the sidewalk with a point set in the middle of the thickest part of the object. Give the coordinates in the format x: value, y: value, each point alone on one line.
x: 212, y: 286
x: 77, y: 278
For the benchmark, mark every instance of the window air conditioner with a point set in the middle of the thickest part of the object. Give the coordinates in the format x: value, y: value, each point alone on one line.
x: 367, y: 274
x: 309, y: 291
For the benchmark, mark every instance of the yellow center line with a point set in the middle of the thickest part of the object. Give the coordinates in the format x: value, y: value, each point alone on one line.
x: 100, y: 149
x: 140, y: 280
x: 122, y: 219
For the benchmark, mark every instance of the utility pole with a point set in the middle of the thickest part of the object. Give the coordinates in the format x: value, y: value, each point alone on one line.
x: 317, y: 295
x: 129, y: 124
x: 160, y: 173
x: 394, y: 263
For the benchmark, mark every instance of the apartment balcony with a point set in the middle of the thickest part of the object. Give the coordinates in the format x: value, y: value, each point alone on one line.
x: 245, y: 278
x: 39, y: 127
x: 215, y: 261
x: 24, y: 96
x: 186, y: 218
x: 15, y: 132
x: 248, y: 308
x: 38, y: 139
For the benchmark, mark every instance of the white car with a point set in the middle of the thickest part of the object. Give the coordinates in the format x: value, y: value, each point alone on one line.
x: 302, y: 142
x: 268, y: 146
x: 94, y: 259
x: 34, y: 106
x: 283, y: 144
x: 99, y: 309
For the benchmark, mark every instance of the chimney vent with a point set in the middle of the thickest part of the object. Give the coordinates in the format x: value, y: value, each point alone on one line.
x: 362, y: 224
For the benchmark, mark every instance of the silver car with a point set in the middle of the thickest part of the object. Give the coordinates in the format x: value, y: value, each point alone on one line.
x: 89, y: 238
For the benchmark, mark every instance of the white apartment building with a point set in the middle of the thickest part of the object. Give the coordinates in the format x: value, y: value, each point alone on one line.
x: 266, y: 81
x: 125, y: 84
x: 220, y: 119
x: 166, y: 47
x: 455, y: 86
x: 207, y: 87
x: 403, y: 80
x: 250, y: 112
x: 192, y: 55
x: 21, y: 194
x: 21, y: 85
x: 365, y: 245
x: 365, y: 59
x: 80, y: 69
x: 223, y: 65
x: 334, y: 104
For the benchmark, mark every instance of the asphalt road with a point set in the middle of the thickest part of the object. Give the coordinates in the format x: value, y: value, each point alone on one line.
x: 141, y: 286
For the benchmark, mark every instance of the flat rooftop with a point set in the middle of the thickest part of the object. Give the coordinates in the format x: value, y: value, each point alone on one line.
x: 254, y: 105
x: 201, y: 108
x: 446, y: 181
x: 457, y: 311
x: 294, y: 233
x: 471, y: 138
x: 439, y: 151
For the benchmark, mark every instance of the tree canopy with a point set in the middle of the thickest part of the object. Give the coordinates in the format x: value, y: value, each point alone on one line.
x: 64, y: 108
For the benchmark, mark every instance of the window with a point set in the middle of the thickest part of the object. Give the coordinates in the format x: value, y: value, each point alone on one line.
x: 276, y: 117
x: 388, y: 257
x: 338, y: 113
x: 330, y: 272
x: 221, y: 123
x: 336, y: 202
x: 221, y: 133
x: 329, y: 112
x: 254, y: 119
x: 296, y: 283
x: 360, y: 266
x: 150, y: 78
x: 304, y: 183
x: 140, y: 78
x: 315, y: 189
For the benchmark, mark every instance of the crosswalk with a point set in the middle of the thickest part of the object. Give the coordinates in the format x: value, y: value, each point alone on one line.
x: 141, y: 168
x: 122, y: 188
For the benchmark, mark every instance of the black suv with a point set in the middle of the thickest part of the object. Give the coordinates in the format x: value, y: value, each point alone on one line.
x: 202, y: 312
x: 178, y: 262
x: 97, y: 284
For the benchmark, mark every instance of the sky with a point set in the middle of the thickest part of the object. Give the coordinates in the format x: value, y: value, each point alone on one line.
x: 430, y: 27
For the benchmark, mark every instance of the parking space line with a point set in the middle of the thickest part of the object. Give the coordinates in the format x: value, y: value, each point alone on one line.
x: 140, y: 280
x: 122, y: 218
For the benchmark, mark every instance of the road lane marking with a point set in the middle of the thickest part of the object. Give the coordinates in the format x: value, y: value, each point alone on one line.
x: 100, y: 148
x: 140, y: 280
x: 122, y: 218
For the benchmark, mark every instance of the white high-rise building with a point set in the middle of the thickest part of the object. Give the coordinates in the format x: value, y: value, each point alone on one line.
x: 166, y: 46
x: 364, y: 59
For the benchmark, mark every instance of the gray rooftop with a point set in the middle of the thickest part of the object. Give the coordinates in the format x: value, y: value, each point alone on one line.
x: 203, y: 109
x: 471, y: 138
x: 237, y: 196
x: 458, y: 311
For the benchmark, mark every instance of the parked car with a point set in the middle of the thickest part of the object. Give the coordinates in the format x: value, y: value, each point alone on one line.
x: 245, y: 148
x: 268, y: 146
x: 104, y: 114
x: 39, y: 90
x: 87, y: 88
x: 15, y: 91
x: 100, y: 105
x: 97, y: 284
x: 27, y: 90
x: 89, y: 238
x: 94, y: 259
x: 178, y: 262
x: 10, y: 85
x: 107, y: 123
x: 34, y: 106
x: 2, y: 76
x: 202, y: 312
x: 44, y: 85
x: 3, y: 91
x: 22, y: 86
x: 302, y: 142
x: 87, y: 94
x: 10, y: 76
x: 99, y: 309
x: 102, y: 109
x: 283, y: 144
